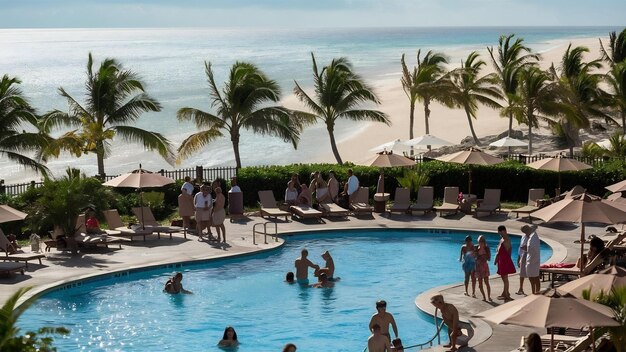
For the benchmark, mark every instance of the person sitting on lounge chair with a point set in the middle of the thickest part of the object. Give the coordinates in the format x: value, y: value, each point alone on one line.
x: 174, y: 285
x: 596, y: 245
x: 12, y: 247
x: 322, y: 193
x: 333, y: 187
x: 92, y: 225
x: 304, y: 198
x: 291, y: 193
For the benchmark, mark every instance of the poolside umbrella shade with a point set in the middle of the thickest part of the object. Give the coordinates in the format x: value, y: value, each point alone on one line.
x: 559, y: 164
x: 427, y: 140
x: 551, y: 309
x: 617, y: 187
x: 603, y: 281
x: 387, y: 159
x: 396, y: 145
x: 508, y: 142
x: 582, y: 208
x: 472, y: 156
x: 139, y: 179
x: 8, y: 214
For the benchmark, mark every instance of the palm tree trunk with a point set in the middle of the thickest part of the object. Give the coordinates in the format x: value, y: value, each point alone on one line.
x: 530, y: 139
x: 426, y: 115
x: 411, y: 119
x: 333, y: 144
x: 623, y: 113
x: 100, y: 157
x: 469, y: 119
x: 235, y: 140
x: 510, y: 124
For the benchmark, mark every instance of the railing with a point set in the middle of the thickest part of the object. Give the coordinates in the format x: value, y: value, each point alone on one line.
x: 428, y: 343
x: 526, y: 159
x: 254, y: 231
x: 199, y: 173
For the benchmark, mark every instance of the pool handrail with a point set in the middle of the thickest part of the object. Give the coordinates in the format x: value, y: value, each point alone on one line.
x: 429, y: 342
x: 254, y: 231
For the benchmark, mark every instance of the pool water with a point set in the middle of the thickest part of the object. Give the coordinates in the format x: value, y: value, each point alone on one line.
x: 131, y: 313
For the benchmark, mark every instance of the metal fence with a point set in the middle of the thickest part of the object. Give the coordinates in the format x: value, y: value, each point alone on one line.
x: 198, y: 173
x: 526, y: 159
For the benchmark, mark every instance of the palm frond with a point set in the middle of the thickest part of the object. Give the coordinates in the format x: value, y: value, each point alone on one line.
x: 196, y: 142
x: 150, y: 140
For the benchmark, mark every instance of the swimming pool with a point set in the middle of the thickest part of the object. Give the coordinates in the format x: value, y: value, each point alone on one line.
x: 130, y: 313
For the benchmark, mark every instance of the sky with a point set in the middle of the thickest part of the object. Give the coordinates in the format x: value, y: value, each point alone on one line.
x: 308, y: 13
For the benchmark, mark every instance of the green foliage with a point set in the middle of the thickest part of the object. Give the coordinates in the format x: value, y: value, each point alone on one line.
x: 591, y: 150
x: 617, y: 145
x: 413, y: 179
x: 616, y: 300
x: 31, y: 341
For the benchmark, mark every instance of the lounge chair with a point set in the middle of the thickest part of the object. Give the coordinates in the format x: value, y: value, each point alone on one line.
x: 401, y: 201
x: 491, y: 203
x: 304, y: 211
x: 450, y: 203
x: 361, y: 204
x: 17, y: 257
x: 145, y: 217
x: 425, y: 200
x: 331, y: 209
x: 534, y: 194
x: 269, y: 206
x: 8, y: 268
x: 81, y: 227
x: 115, y: 221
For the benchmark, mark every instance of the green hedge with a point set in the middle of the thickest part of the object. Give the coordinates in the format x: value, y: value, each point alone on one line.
x: 512, y: 177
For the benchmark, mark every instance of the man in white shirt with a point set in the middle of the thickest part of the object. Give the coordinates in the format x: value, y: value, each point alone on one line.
x: 203, y: 204
x: 352, y: 185
x: 233, y: 186
x: 187, y: 186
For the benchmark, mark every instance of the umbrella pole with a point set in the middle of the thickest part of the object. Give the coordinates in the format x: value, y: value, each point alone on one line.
x: 582, y: 246
x: 143, y: 221
x: 469, y: 182
x: 593, y: 340
x: 552, y: 340
x: 558, y: 192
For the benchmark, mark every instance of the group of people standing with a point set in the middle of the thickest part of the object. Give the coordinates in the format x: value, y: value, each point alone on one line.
x: 207, y: 206
x: 476, y: 259
x: 298, y: 193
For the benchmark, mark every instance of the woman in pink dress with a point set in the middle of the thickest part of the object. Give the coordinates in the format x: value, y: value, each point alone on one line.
x: 504, y: 262
x: 483, y: 255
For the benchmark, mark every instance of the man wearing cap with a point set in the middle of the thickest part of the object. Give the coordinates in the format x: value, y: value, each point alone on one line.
x: 533, y: 257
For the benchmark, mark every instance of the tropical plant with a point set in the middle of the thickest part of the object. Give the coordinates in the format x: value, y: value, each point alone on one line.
x: 536, y: 99
x: 16, y: 113
x: 413, y: 179
x: 579, y: 94
x: 616, y: 300
x: 339, y: 92
x: 428, y: 82
x: 510, y: 57
x: 616, y: 79
x: 470, y: 89
x: 616, y: 52
x: 245, y: 102
x: 617, y: 145
x: 591, y: 149
x: 31, y: 341
x: 115, y: 99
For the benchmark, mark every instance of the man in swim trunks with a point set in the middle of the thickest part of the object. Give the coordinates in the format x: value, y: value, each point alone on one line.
x: 302, y: 267
x: 377, y: 342
x: 383, y: 319
x: 323, y: 282
x: 174, y: 285
x: 450, y: 316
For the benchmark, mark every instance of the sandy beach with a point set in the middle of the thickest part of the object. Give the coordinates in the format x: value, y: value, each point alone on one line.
x: 449, y: 124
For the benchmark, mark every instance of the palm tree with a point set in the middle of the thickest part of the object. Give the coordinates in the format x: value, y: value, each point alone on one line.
x: 472, y: 89
x: 338, y: 93
x: 245, y: 102
x: 15, y: 113
x: 115, y: 99
x: 616, y: 78
x: 617, y: 145
x: 616, y: 52
x: 616, y: 300
x: 509, y: 59
x: 579, y: 94
x: 536, y: 99
x: 427, y: 82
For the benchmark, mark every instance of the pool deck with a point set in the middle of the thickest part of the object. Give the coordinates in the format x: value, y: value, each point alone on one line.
x: 62, y: 267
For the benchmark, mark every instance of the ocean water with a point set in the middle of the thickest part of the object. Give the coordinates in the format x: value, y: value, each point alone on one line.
x: 171, y: 62
x: 131, y: 313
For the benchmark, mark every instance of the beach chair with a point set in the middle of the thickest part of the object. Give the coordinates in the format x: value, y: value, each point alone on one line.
x: 425, y: 200
x: 491, y: 203
x: 331, y: 209
x: 145, y: 217
x: 401, y: 201
x: 269, y: 206
x: 17, y: 257
x: 450, y: 203
x: 360, y: 204
x: 115, y: 221
x: 534, y: 194
x: 11, y: 267
x: 304, y: 211
x: 81, y: 227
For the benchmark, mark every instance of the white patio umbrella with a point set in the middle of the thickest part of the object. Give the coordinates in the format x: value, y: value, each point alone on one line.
x: 395, y: 146
x: 508, y: 142
x: 427, y: 140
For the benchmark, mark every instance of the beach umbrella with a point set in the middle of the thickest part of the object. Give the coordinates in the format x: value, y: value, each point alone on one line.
x: 395, y: 145
x: 427, y: 140
x: 508, y: 142
x: 549, y: 310
x: 388, y: 159
x: 471, y: 156
x: 140, y: 179
x: 559, y: 164
x: 617, y: 187
x: 583, y: 208
x: 604, y: 281
x: 8, y: 214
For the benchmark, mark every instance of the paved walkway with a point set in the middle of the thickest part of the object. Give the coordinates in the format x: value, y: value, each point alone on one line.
x: 60, y: 267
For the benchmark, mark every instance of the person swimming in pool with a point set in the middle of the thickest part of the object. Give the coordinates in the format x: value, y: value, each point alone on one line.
x: 289, y: 278
x: 174, y: 285
x: 302, y: 267
x: 329, y: 267
x: 229, y: 339
x: 383, y: 319
x: 323, y: 282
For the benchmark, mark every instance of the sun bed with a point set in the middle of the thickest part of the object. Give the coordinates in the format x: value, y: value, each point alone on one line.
x: 145, y: 217
x: 450, y: 203
x: 332, y: 209
x: 17, y: 257
x: 115, y: 221
x: 361, y: 205
x: 303, y: 211
x: 92, y: 241
x: 8, y: 268
x: 491, y: 203
x: 401, y: 201
x: 269, y: 206
x: 534, y: 194
x: 425, y: 200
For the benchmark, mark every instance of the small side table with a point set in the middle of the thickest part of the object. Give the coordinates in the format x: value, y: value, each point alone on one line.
x: 380, y: 200
x: 468, y: 201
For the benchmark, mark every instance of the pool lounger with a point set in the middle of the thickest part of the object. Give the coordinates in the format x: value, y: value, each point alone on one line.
x: 305, y: 212
x: 8, y: 268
